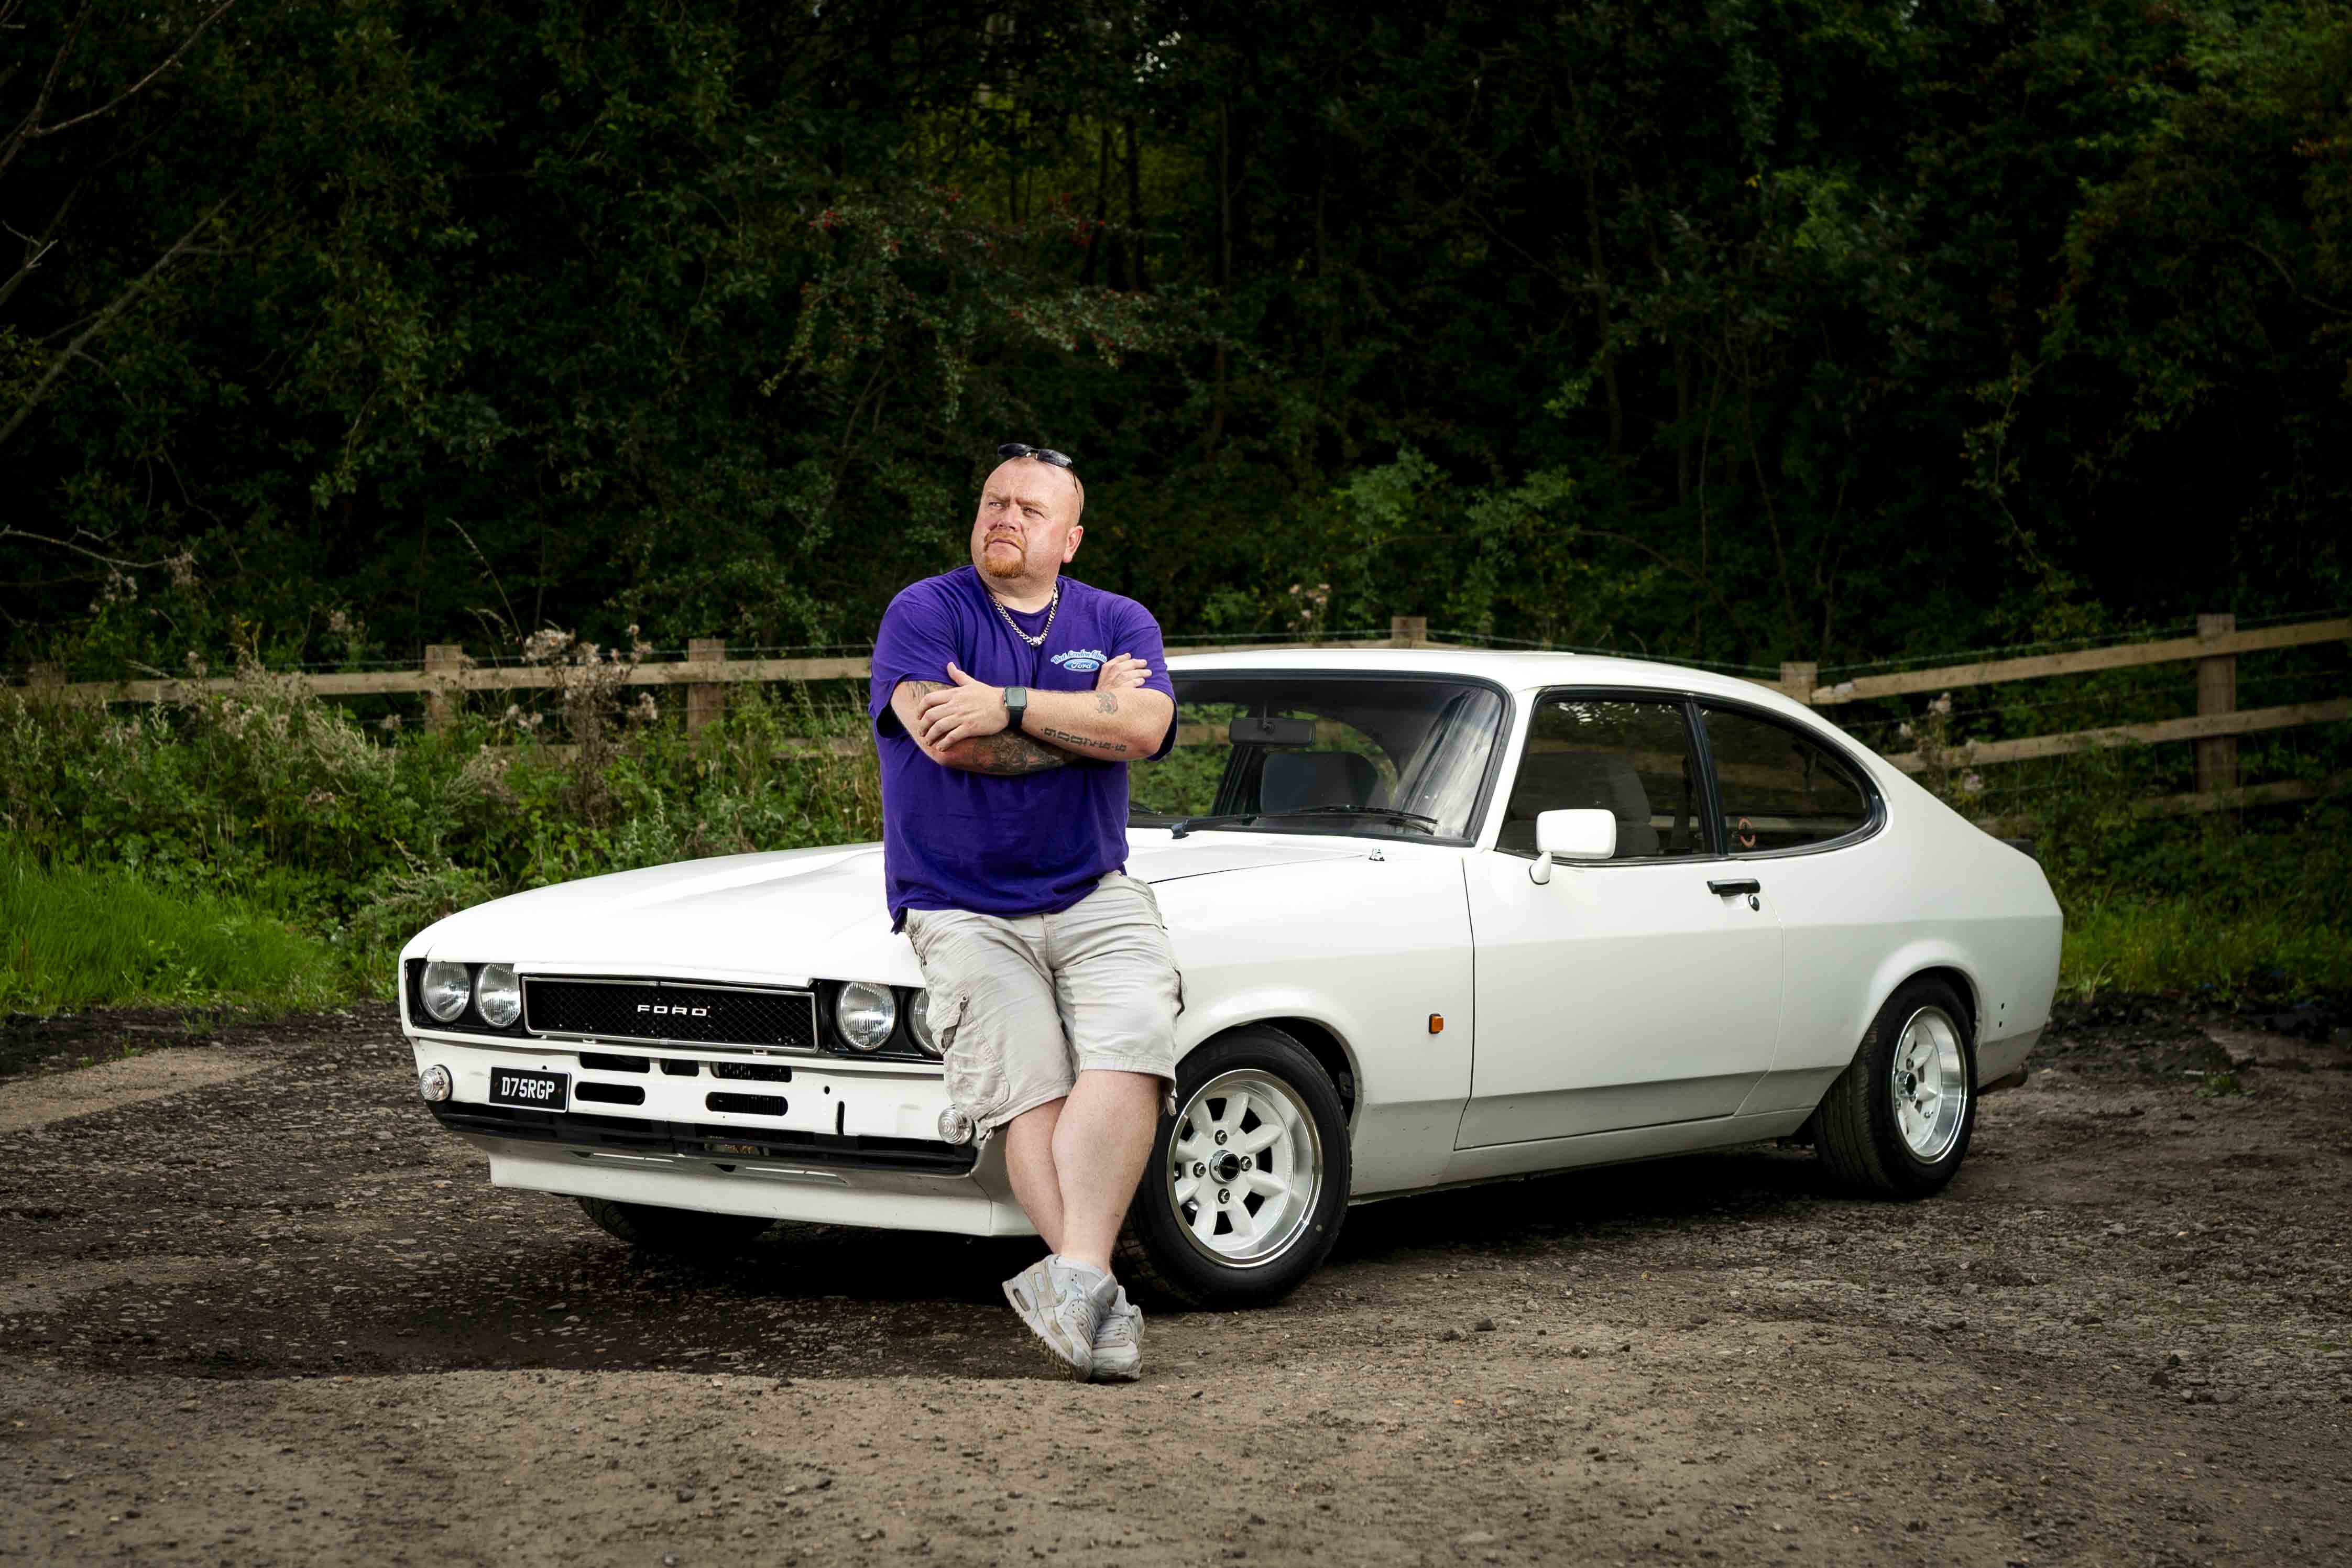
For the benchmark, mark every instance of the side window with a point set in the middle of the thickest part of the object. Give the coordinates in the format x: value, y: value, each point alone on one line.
x: 1781, y: 790
x: 1630, y: 759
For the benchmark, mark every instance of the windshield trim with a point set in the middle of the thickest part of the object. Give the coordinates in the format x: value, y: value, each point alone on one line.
x: 1505, y: 732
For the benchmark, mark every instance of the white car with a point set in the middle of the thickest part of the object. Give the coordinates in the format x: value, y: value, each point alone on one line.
x: 1443, y: 917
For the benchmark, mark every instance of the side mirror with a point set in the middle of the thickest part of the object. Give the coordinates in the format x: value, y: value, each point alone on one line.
x: 1585, y: 834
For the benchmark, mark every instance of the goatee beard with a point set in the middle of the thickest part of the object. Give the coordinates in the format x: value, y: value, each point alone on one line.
x: 989, y: 564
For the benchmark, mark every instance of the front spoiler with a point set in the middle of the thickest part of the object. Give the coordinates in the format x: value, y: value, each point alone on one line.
x: 703, y: 1141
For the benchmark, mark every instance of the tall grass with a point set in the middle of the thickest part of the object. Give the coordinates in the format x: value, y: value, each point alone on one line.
x: 85, y: 938
x: 2186, y: 945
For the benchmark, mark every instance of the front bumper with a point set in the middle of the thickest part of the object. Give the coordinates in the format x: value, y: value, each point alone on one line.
x: 830, y: 1141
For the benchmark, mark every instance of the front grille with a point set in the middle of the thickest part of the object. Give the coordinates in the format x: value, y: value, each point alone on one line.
x: 659, y: 1010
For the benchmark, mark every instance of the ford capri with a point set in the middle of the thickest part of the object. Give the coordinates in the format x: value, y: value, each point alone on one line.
x: 1443, y: 917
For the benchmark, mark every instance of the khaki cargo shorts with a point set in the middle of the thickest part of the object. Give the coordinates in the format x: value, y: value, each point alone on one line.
x: 1021, y: 1005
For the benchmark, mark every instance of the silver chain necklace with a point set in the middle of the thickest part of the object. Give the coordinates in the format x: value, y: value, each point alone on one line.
x: 1043, y: 631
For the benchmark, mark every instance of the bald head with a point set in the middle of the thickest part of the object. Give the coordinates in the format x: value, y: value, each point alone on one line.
x: 1051, y: 472
x: 1028, y: 525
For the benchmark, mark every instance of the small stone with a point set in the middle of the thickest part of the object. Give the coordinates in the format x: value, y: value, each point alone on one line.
x: 1476, y: 1538
x: 1485, y: 1325
x: 1450, y: 1334
x: 685, y: 1494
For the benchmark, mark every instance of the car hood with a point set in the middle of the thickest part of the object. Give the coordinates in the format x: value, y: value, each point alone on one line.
x: 796, y: 915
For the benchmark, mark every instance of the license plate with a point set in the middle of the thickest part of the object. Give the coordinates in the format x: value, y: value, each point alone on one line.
x: 533, y: 1090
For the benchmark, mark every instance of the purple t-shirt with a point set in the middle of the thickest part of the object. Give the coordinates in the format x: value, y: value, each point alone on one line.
x: 1030, y: 844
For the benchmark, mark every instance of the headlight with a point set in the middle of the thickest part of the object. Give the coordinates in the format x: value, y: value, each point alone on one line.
x: 497, y: 995
x: 446, y: 987
x: 918, y: 1020
x: 866, y: 1014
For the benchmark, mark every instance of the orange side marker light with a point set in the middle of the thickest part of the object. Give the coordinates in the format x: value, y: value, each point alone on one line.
x: 1437, y: 1023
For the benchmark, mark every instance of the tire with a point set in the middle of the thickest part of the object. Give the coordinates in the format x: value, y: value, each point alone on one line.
x: 674, y: 1232
x: 1865, y: 1138
x: 1256, y: 1078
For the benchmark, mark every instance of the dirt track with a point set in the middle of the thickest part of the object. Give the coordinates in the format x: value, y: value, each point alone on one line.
x: 271, y: 1314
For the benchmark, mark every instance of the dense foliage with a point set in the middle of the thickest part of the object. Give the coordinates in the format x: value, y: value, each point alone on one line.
x: 1816, y: 330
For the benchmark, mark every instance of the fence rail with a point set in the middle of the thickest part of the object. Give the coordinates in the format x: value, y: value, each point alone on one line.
x: 705, y: 672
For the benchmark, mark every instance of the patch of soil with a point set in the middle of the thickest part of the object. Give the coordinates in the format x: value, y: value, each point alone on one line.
x: 2171, y: 1037
x: 285, y: 1319
x: 59, y: 1042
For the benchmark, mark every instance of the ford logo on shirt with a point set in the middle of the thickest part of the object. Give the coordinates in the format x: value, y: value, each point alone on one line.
x: 1081, y: 661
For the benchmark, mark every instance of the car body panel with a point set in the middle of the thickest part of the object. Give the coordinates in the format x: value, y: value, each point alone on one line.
x: 1615, y: 995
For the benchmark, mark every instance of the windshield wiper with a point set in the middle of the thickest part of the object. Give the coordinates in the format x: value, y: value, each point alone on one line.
x: 1387, y: 813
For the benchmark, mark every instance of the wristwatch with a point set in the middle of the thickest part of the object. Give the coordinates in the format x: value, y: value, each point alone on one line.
x: 1016, y: 705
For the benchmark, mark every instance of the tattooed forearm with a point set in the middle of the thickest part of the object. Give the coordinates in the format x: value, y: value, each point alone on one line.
x: 1003, y: 754
x: 1066, y: 738
x: 1107, y: 702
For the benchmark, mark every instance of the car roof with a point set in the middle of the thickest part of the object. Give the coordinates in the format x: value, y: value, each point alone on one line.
x: 1517, y: 671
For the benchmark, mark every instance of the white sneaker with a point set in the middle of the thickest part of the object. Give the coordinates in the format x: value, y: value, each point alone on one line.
x: 1062, y: 1303
x: 1118, y: 1342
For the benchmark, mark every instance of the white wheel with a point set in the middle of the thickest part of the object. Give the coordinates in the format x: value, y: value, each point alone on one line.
x: 1928, y: 1083
x: 1244, y: 1168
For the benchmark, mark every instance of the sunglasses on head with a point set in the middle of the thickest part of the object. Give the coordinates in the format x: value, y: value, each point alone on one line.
x: 1041, y: 453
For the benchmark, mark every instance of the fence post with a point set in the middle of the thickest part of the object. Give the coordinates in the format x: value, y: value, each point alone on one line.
x: 1408, y: 631
x: 2216, y: 692
x: 1797, y: 680
x: 705, y: 700
x: 444, y: 660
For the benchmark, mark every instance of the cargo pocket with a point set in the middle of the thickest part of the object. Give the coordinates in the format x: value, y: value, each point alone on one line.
x: 976, y: 1080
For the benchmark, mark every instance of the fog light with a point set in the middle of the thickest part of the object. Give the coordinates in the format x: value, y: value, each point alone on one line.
x: 955, y: 1127
x: 433, y: 1084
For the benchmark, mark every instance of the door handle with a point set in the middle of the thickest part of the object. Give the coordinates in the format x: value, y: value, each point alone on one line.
x: 1747, y: 884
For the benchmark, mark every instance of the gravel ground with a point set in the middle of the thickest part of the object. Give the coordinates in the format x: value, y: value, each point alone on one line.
x: 255, y: 1308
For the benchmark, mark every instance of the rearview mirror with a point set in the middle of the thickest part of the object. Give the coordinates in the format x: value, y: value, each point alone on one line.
x: 1584, y: 834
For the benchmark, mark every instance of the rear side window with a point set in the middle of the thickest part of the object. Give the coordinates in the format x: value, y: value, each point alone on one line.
x: 1781, y: 789
x: 1630, y: 759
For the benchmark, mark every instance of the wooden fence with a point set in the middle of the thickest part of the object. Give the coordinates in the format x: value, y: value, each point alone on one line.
x: 706, y: 671
x: 2215, y: 726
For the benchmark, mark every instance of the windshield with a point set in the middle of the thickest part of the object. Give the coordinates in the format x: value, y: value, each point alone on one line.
x: 1295, y: 753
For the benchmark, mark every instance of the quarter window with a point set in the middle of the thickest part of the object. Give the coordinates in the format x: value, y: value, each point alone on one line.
x: 1630, y: 759
x: 1779, y: 790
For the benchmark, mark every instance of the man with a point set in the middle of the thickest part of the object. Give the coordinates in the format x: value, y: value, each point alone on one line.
x: 1007, y: 701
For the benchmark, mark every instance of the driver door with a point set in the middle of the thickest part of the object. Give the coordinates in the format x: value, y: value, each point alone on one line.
x: 1624, y: 993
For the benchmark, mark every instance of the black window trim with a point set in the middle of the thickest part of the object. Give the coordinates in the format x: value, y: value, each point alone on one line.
x: 1477, y: 814
x: 1861, y: 776
x: 1694, y: 736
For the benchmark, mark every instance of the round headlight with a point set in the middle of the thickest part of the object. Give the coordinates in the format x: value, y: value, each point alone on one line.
x: 446, y: 987
x: 866, y: 1014
x: 918, y: 1020
x: 497, y: 995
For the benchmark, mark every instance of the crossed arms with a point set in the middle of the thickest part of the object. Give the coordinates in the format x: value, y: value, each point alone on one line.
x: 960, y: 722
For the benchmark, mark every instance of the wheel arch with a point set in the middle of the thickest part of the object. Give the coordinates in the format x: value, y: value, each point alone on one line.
x: 1961, y: 981
x: 1920, y: 961
x: 1317, y: 1036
